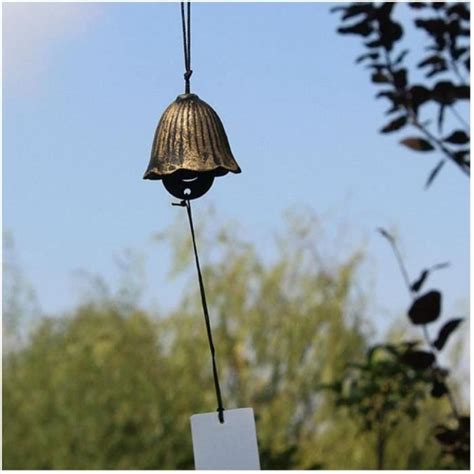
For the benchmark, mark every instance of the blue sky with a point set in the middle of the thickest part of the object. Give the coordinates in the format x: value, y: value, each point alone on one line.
x: 85, y: 84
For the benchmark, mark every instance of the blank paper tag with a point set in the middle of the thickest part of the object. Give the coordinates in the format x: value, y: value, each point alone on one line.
x: 228, y: 445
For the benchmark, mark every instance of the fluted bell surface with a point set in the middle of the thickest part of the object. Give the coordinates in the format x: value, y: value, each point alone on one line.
x: 190, y: 136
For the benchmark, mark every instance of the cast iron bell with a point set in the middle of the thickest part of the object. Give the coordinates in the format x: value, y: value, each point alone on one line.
x: 190, y: 148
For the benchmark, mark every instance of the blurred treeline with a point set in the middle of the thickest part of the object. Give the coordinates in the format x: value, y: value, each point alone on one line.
x: 112, y: 386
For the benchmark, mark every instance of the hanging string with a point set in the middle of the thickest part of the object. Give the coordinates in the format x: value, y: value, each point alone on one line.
x: 186, y: 23
x: 220, y: 406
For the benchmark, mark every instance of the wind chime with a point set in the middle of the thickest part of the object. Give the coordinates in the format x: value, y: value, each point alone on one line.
x: 189, y: 150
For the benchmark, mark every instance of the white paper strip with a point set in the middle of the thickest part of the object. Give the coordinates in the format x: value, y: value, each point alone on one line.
x: 228, y: 445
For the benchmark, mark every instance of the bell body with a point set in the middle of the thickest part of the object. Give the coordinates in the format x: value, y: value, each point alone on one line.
x: 190, y: 148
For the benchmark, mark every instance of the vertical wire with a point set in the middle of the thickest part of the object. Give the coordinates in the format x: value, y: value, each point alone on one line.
x: 220, y: 406
x: 189, y: 36
x: 186, y: 27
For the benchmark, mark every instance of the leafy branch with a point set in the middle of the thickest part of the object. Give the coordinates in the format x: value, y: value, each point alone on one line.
x: 448, y: 55
x: 425, y: 309
x: 393, y: 380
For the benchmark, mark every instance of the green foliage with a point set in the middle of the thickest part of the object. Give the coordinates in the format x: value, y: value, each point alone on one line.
x: 112, y: 387
x: 386, y: 387
x: 19, y: 300
x: 395, y: 378
x: 88, y: 392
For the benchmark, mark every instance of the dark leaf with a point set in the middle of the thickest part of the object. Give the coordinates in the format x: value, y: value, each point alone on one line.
x: 462, y: 92
x: 418, y: 283
x: 392, y: 97
x: 379, y: 77
x: 464, y: 423
x: 373, y: 44
x: 388, y: 94
x: 363, y: 28
x: 441, y: 110
x: 393, y: 109
x: 419, y: 360
x: 390, y: 32
x: 453, y: 28
x: 426, y: 308
x: 440, y: 43
x: 357, y: 9
x: 467, y: 63
x: 435, y: 59
x: 445, y: 332
x: 396, y: 124
x: 459, y: 137
x: 445, y: 92
x: 416, y: 286
x: 417, y: 5
x: 461, y: 156
x: 458, y: 52
x: 419, y: 95
x: 364, y: 56
x: 438, y: 69
x: 434, y: 173
x: 417, y: 144
x: 459, y: 9
x: 438, y: 389
x: 400, y: 78
x: 385, y: 10
x: 462, y: 453
x: 401, y: 57
x: 435, y: 27
x: 446, y: 436
x: 437, y: 5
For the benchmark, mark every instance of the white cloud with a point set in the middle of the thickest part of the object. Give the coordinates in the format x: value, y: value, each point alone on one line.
x: 31, y: 32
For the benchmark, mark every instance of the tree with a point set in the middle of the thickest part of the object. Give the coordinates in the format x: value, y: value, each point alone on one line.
x: 382, y: 391
x: 446, y: 65
x: 394, y: 379
x: 111, y: 386
x: 454, y: 433
x: 19, y: 302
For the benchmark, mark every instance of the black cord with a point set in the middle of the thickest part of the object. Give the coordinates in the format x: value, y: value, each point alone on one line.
x: 186, y: 24
x: 220, y: 406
